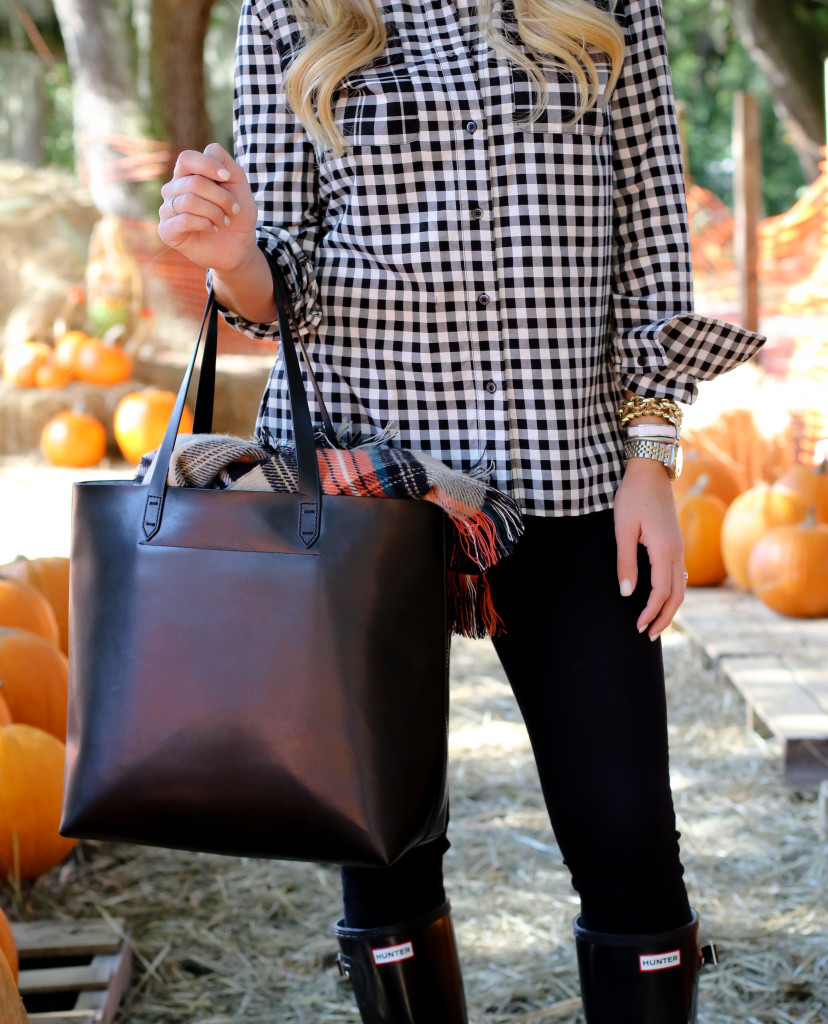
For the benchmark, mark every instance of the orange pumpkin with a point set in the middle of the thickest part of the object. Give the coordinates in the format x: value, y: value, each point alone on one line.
x: 35, y: 680
x: 31, y: 794
x: 722, y: 481
x: 99, y: 363
x: 68, y: 347
x: 141, y: 419
x: 789, y: 569
x: 700, y: 517
x: 5, y: 711
x: 750, y: 517
x: 73, y: 439
x: 22, y: 606
x: 8, y: 946
x: 811, y: 484
x: 49, y: 575
x: 20, y: 362
x: 50, y: 376
x: 12, y: 1010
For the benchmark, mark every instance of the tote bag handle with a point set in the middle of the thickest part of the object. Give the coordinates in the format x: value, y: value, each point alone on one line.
x: 309, y: 498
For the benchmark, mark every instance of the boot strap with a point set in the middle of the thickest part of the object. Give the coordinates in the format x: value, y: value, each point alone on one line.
x: 709, y: 954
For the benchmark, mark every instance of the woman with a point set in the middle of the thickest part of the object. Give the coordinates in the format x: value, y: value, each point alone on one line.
x: 480, y: 216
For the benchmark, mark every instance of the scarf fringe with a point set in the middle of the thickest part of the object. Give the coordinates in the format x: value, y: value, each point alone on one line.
x: 470, y: 607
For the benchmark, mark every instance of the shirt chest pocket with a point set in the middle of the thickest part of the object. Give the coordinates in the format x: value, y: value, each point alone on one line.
x: 377, y: 105
x: 563, y: 98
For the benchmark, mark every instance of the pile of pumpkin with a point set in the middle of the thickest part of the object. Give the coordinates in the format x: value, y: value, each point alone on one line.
x: 12, y: 1010
x: 73, y: 437
x: 771, y: 539
x: 34, y: 611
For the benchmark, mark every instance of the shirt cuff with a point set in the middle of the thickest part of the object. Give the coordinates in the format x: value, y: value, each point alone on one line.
x: 302, y: 286
x: 665, y: 358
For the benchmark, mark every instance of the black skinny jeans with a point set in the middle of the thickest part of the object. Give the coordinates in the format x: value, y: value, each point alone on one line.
x: 591, y: 692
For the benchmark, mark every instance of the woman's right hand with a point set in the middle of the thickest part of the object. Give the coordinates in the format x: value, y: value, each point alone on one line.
x: 209, y: 213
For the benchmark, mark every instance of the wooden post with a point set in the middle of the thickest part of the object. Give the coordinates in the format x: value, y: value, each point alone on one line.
x: 747, y: 158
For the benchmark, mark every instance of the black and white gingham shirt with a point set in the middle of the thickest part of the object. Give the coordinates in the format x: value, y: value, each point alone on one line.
x: 488, y: 288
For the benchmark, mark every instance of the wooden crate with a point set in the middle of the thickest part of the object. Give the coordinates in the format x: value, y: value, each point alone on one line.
x: 778, y: 665
x: 73, y: 972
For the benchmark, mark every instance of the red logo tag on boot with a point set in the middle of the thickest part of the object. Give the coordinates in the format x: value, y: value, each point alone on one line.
x: 392, y: 954
x: 659, y: 961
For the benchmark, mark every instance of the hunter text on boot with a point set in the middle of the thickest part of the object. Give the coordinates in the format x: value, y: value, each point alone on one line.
x: 391, y: 954
x: 658, y: 961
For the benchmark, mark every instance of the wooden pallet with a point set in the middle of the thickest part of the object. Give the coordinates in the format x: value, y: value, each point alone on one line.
x: 779, y: 665
x: 78, y: 969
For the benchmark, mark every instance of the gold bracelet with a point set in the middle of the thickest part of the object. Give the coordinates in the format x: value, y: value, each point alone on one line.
x: 664, y: 408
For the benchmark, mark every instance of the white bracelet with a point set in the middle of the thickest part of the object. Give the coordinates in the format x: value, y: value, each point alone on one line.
x: 651, y: 430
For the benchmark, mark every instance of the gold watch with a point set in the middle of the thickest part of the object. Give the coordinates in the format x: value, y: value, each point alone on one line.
x: 667, y: 452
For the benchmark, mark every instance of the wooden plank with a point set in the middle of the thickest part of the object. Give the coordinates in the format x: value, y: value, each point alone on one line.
x: 64, y: 979
x: 780, y: 703
x: 98, y: 987
x: 106, y: 1003
x: 723, y: 622
x: 771, y: 685
x: 64, y: 1017
x: 40, y: 939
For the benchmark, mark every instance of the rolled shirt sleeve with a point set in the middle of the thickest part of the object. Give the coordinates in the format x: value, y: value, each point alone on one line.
x: 279, y: 160
x: 661, y: 347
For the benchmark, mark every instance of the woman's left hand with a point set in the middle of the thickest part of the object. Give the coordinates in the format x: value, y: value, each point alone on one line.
x: 645, y: 513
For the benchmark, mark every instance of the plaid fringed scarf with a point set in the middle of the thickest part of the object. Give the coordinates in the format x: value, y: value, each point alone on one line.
x: 486, y: 523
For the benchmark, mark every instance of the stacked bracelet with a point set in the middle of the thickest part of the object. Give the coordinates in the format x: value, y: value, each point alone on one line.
x: 650, y: 430
x: 664, y: 408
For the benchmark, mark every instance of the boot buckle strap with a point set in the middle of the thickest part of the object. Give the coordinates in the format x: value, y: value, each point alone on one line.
x: 344, y: 965
x: 709, y: 954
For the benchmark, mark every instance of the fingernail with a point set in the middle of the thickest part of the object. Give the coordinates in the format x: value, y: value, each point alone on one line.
x: 223, y: 173
x: 227, y: 220
x: 657, y: 635
x: 642, y: 628
x: 626, y: 588
x: 236, y: 207
x: 215, y: 228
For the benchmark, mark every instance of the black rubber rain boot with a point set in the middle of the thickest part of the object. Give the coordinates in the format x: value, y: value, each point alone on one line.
x: 641, y: 979
x: 406, y: 973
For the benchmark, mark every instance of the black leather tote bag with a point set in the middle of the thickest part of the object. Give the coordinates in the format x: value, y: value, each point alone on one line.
x: 253, y: 673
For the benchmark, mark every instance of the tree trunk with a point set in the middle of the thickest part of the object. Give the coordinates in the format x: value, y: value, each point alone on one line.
x: 99, y: 50
x: 177, y: 72
x: 789, y: 49
x: 24, y: 108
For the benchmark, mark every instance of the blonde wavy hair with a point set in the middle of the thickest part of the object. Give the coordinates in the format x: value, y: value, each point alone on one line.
x: 343, y: 35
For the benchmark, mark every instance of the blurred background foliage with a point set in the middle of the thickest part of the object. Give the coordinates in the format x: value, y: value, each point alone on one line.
x: 709, y: 63
x: 709, y: 56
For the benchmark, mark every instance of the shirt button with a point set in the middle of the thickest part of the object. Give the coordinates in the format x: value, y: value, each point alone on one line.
x: 642, y: 360
x: 477, y: 213
x: 471, y: 127
x: 491, y: 387
x: 484, y: 299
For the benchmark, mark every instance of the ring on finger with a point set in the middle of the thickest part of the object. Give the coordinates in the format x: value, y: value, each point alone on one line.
x: 172, y: 205
x: 686, y: 575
